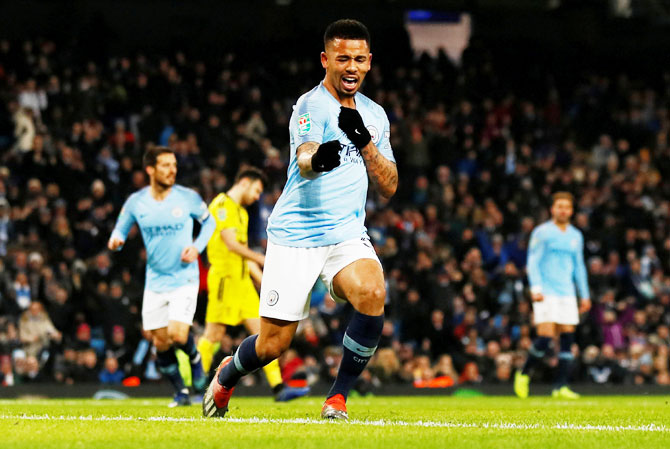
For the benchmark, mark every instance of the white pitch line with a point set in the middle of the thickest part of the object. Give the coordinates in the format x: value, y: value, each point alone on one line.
x: 378, y: 423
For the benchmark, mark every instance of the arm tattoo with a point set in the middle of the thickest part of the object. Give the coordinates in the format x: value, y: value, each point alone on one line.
x: 382, y: 172
x: 304, y: 155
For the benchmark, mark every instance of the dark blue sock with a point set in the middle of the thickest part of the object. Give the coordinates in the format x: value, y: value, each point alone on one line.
x: 245, y: 361
x: 190, y: 349
x: 565, y: 358
x: 169, y: 367
x: 536, y: 353
x: 360, y: 342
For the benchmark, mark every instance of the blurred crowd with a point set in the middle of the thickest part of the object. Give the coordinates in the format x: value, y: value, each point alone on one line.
x: 478, y: 162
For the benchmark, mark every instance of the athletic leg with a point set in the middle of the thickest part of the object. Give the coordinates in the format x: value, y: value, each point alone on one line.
x: 168, y: 365
x: 565, y: 358
x: 255, y: 352
x: 545, y: 333
x: 207, y: 344
x: 272, y: 371
x: 362, y: 284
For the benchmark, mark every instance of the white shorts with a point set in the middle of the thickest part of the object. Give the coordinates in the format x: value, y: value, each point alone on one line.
x: 556, y: 309
x: 290, y: 273
x: 175, y: 305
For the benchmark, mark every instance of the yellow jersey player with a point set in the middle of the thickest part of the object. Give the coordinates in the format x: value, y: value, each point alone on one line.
x: 232, y: 296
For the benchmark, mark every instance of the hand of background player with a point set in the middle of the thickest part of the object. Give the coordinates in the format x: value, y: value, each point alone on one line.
x: 537, y: 297
x: 584, y: 305
x: 114, y: 244
x: 189, y: 254
x: 351, y: 122
x: 327, y: 156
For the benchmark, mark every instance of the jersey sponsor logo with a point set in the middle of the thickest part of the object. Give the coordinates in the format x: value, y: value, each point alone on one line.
x: 374, y: 134
x: 350, y: 154
x: 177, y: 212
x: 162, y: 230
x: 273, y: 297
x: 304, y: 124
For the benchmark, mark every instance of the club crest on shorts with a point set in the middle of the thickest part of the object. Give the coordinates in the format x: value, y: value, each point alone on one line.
x: 273, y: 297
x: 304, y: 124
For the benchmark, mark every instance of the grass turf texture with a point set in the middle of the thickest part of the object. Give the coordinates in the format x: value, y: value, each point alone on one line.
x: 377, y: 422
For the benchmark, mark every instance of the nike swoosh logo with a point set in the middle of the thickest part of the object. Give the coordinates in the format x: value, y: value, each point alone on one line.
x: 357, y: 132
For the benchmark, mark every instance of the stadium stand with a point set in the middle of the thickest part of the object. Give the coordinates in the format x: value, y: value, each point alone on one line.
x: 479, y: 159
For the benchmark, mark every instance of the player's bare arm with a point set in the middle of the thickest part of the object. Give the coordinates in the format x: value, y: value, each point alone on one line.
x: 382, y: 172
x: 228, y: 237
x: 115, y: 244
x: 304, y: 154
x: 255, y: 272
x: 316, y: 158
x: 189, y: 254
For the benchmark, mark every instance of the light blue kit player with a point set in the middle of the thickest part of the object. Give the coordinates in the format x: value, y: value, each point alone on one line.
x: 339, y: 139
x: 164, y: 213
x: 555, y: 268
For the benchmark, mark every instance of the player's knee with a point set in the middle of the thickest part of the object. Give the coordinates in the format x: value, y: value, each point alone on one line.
x: 178, y: 338
x: 272, y: 348
x: 213, y: 335
x: 378, y: 294
x: 162, y: 344
x: 370, y: 298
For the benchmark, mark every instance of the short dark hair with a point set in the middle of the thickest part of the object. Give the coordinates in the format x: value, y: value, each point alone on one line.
x: 562, y: 196
x: 253, y: 174
x: 346, y: 29
x: 151, y: 155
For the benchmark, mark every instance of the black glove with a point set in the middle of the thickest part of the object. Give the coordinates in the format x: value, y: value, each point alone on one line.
x: 327, y: 156
x: 352, y: 124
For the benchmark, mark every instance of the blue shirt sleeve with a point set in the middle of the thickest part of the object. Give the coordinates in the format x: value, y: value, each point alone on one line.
x: 581, y: 279
x: 308, y: 121
x: 200, y: 212
x: 197, y: 207
x: 535, y: 253
x: 385, y: 143
x: 125, y: 220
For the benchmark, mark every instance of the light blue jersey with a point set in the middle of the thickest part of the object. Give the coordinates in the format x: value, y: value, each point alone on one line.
x: 167, y: 228
x: 556, y: 261
x: 330, y: 208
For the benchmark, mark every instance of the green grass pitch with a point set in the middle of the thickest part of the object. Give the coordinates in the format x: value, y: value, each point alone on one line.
x: 375, y: 422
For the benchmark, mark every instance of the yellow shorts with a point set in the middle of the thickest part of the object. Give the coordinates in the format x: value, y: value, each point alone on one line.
x: 231, y: 300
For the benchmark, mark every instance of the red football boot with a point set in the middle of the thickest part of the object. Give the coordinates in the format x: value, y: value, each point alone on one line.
x: 215, y: 401
x: 335, y: 408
